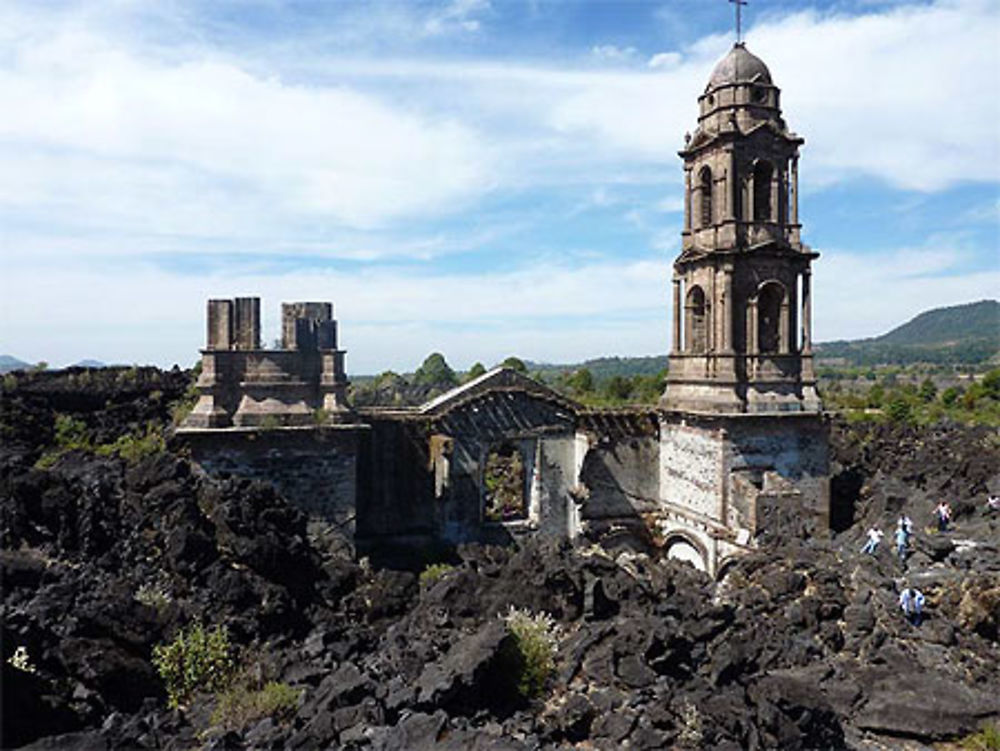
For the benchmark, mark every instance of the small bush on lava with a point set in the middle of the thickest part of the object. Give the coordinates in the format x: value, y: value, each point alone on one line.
x: 196, y: 660
x: 241, y: 706
x: 536, y: 639
x: 986, y: 739
x: 434, y: 572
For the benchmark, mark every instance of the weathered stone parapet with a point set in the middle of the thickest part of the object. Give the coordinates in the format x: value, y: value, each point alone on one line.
x: 242, y: 384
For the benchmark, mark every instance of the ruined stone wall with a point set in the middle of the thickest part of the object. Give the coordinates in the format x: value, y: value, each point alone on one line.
x: 620, y: 473
x: 691, y: 466
x: 719, y: 467
x: 314, y: 468
x: 395, y: 482
x: 796, y: 448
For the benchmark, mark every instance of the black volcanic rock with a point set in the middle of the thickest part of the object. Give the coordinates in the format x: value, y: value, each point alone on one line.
x: 801, y: 645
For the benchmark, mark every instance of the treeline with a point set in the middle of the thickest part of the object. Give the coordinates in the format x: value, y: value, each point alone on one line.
x: 924, y: 402
x: 869, y: 352
x: 613, y: 381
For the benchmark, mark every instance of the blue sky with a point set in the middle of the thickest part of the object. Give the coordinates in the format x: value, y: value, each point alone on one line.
x: 478, y: 177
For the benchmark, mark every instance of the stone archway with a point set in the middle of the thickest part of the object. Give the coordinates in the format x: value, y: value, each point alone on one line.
x: 682, y: 548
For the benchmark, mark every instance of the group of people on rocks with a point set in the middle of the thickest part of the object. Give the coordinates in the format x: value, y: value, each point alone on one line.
x: 903, y: 535
x: 911, y: 599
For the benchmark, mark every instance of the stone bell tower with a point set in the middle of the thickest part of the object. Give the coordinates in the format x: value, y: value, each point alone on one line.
x: 741, y: 285
x: 743, y: 439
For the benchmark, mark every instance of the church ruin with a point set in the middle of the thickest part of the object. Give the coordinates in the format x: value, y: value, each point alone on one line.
x: 737, y: 445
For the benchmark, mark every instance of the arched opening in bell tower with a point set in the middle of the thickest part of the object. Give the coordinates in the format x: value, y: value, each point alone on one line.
x: 762, y: 174
x: 769, y: 302
x: 696, y: 330
x: 705, y: 196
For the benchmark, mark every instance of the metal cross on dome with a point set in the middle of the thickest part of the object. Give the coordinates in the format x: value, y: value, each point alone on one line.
x: 739, y: 32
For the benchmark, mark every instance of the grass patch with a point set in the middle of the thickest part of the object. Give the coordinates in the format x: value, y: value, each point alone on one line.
x: 240, y: 706
x: 985, y: 739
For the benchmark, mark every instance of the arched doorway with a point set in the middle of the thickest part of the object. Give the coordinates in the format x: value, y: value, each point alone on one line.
x: 680, y: 548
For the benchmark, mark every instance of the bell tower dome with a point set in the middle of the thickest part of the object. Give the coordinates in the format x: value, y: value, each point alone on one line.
x: 741, y: 284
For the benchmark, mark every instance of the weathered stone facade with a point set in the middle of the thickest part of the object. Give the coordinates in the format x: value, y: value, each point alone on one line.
x: 737, y: 446
x: 242, y: 384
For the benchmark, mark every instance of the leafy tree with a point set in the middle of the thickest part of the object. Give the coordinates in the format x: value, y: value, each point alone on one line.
x: 898, y: 408
x: 927, y: 391
x: 951, y: 395
x: 435, y: 371
x: 475, y: 371
x: 582, y: 382
x: 515, y: 363
x: 618, y: 387
x: 876, y: 394
x: 991, y: 384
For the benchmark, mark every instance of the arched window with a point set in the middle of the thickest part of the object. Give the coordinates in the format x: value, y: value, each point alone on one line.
x: 769, y: 302
x: 762, y: 172
x: 705, y: 188
x: 696, y: 331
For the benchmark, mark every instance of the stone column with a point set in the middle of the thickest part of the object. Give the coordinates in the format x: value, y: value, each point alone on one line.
x: 806, y: 313
x: 677, y: 314
x: 733, y: 193
x: 775, y: 195
x: 784, y: 328
x: 687, y: 198
x: 795, y: 190
x: 752, y: 347
x: 728, y: 310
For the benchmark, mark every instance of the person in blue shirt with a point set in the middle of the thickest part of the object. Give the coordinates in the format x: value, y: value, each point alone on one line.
x: 911, y: 601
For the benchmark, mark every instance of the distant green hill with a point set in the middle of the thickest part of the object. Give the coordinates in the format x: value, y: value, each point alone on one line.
x: 961, y: 334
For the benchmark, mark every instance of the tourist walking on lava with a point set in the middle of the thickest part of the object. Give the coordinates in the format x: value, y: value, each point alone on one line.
x: 902, y: 541
x: 911, y: 602
x: 906, y: 523
x: 875, y: 536
x: 943, y: 514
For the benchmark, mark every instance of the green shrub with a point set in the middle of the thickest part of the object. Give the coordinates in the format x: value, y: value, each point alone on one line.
x: 181, y: 408
x: 133, y: 447
x: 71, y: 433
x: 536, y: 641
x: 986, y: 739
x: 196, y: 660
x: 241, y: 706
x: 434, y: 572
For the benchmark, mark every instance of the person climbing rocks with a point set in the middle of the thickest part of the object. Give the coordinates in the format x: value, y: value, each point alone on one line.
x: 906, y: 523
x: 993, y: 504
x: 875, y: 536
x: 943, y: 514
x: 902, y: 541
x: 911, y: 602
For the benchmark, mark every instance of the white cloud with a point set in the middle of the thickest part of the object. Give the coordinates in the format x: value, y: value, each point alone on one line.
x: 664, y: 60
x: 611, y: 53
x: 109, y: 135
x: 861, y: 295
x: 457, y: 15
